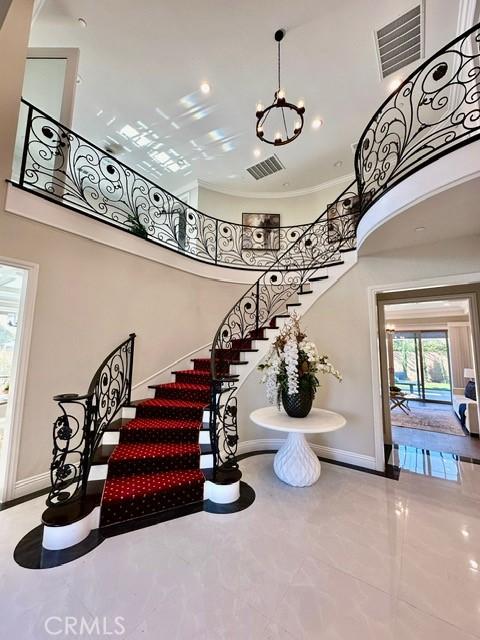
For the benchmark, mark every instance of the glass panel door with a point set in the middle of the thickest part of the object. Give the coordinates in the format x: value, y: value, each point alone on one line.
x: 406, y: 358
x: 435, y: 366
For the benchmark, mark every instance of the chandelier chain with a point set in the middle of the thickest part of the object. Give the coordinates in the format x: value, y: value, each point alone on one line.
x: 278, y: 60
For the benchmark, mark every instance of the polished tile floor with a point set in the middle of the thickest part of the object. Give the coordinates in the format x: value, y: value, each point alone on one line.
x: 355, y: 556
x: 463, y: 445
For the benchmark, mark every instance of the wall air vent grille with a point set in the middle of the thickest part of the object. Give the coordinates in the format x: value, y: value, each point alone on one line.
x: 265, y: 168
x: 400, y: 42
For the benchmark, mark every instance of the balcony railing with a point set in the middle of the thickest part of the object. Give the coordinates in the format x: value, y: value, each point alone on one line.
x: 62, y: 166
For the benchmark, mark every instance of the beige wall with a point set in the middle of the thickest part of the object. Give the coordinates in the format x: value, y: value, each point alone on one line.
x: 90, y: 297
x: 294, y: 210
x: 339, y: 324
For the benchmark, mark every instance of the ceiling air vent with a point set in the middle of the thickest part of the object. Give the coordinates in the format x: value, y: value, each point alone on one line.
x: 265, y: 168
x: 400, y: 42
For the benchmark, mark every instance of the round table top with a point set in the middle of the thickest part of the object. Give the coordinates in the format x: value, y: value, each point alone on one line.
x: 317, y: 421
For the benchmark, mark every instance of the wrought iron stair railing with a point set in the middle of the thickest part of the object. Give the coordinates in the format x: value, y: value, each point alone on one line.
x: 62, y: 166
x: 78, y: 431
x: 320, y: 245
x: 434, y: 111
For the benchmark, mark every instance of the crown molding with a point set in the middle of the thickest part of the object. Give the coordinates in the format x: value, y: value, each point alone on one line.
x: 267, y: 194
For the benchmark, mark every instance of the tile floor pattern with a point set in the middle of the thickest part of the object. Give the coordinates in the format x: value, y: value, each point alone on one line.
x: 355, y: 556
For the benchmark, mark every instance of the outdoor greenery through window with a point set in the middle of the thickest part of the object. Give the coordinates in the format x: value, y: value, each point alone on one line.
x: 421, y: 364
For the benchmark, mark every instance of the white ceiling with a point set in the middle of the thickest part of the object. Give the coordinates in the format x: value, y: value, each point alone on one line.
x: 142, y: 63
x: 428, y: 309
x: 453, y: 213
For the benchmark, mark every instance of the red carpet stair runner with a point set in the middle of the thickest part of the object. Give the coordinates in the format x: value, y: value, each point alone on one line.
x: 156, y: 465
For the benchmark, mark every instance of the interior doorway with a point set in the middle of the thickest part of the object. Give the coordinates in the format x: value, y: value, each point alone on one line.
x: 17, y: 296
x: 429, y: 346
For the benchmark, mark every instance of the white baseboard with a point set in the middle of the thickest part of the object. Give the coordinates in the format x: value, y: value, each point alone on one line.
x: 32, y: 484
x: 339, y: 455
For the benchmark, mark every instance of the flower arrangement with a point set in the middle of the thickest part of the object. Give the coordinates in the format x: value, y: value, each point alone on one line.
x: 292, y: 365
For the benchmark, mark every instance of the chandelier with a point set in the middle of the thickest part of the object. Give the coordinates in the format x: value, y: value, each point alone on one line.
x: 286, y: 111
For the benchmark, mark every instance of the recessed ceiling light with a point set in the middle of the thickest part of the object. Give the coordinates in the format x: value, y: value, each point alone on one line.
x: 394, y: 84
x: 317, y: 123
x: 257, y: 153
x: 82, y: 22
x: 338, y: 163
x: 286, y: 184
x: 205, y: 88
x: 420, y: 229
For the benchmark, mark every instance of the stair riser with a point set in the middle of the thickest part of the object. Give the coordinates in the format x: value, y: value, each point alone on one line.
x: 153, y: 465
x: 137, y: 507
x: 171, y: 393
x: 100, y: 471
x: 201, y: 364
x: 192, y: 378
x: 174, y: 412
x: 159, y: 436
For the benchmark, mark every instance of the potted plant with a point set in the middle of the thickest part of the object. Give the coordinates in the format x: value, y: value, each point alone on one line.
x: 290, y: 370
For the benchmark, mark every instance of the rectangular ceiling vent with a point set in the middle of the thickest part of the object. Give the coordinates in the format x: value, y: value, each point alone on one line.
x: 400, y: 42
x: 265, y: 168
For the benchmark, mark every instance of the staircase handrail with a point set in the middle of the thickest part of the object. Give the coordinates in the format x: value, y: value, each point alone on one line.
x: 78, y: 431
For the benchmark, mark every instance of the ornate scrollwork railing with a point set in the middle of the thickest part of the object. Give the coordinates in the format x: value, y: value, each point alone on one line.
x: 78, y: 430
x: 433, y: 112
x: 62, y: 166
x: 320, y: 245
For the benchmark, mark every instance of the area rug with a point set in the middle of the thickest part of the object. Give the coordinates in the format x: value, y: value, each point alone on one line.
x: 439, y: 418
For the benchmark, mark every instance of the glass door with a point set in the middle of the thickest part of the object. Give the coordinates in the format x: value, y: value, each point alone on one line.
x: 406, y: 359
x: 422, y: 365
x: 435, y: 360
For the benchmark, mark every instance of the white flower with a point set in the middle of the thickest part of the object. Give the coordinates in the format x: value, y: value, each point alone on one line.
x: 291, y: 362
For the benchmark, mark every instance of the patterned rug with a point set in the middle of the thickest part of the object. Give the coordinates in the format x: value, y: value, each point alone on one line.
x: 428, y: 417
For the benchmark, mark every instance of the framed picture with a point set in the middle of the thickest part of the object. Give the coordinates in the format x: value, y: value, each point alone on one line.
x: 261, y: 232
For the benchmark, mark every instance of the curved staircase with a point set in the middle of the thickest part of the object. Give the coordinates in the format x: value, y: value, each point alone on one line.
x: 160, y: 457
x: 168, y: 452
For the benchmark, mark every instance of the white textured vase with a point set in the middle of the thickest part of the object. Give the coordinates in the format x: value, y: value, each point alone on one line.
x: 295, y: 463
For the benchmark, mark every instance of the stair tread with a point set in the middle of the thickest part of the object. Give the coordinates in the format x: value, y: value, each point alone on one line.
x: 161, y: 423
x: 119, y: 488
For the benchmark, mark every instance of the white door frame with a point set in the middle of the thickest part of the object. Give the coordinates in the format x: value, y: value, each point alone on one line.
x: 72, y: 56
x: 441, y: 281
x: 11, y: 444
